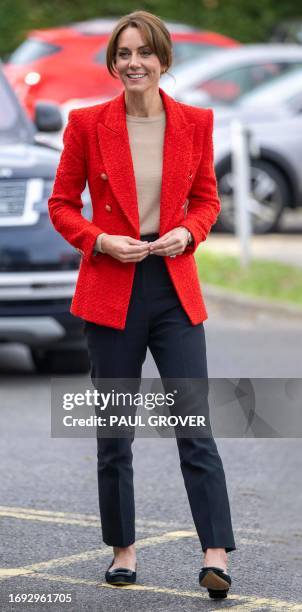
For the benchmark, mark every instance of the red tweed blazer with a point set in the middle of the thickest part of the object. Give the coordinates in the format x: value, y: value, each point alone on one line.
x: 97, y: 150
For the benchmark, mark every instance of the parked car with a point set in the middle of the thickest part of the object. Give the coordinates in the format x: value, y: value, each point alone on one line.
x: 38, y: 268
x: 276, y: 106
x: 276, y: 179
x: 227, y: 75
x: 277, y: 98
x: 281, y: 97
x: 69, y: 62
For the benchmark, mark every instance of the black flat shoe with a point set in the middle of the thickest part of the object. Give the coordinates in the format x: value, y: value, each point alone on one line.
x: 216, y: 581
x: 120, y: 576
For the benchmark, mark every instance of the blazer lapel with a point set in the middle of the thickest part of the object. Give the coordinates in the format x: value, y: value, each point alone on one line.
x: 177, y: 159
x: 116, y: 155
x: 117, y: 159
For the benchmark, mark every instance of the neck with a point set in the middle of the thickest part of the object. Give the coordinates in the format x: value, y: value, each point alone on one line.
x: 143, y: 104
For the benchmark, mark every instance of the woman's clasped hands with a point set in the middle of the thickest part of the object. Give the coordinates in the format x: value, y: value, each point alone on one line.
x: 127, y: 249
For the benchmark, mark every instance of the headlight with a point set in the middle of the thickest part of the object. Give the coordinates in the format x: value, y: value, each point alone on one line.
x: 32, y: 78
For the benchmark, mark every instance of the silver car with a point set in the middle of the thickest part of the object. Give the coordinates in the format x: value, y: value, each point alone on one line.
x: 224, y: 76
x: 273, y: 113
x: 276, y: 181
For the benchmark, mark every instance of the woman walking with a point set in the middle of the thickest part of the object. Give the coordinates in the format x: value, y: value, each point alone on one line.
x: 148, y: 161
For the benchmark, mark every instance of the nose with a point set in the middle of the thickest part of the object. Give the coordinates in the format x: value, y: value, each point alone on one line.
x: 134, y: 61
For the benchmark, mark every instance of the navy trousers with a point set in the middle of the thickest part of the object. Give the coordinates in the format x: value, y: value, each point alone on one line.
x: 156, y: 319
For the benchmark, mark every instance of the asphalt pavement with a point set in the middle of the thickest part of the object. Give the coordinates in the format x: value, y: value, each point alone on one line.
x: 50, y: 531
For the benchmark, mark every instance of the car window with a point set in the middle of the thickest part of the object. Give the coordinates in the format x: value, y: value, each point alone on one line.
x: 31, y: 50
x: 14, y: 124
x: 8, y: 112
x: 229, y: 86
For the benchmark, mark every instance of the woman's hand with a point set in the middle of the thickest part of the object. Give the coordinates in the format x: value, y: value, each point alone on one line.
x: 170, y: 244
x: 124, y: 248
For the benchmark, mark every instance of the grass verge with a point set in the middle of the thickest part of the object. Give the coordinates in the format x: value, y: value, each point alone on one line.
x: 265, y: 279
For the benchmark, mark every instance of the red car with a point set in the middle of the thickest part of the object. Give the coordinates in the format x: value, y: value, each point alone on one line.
x: 64, y: 63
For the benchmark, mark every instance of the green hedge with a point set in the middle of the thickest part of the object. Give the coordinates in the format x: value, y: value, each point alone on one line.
x: 245, y: 20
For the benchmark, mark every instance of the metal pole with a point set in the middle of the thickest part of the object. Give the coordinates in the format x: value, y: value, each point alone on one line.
x: 241, y: 181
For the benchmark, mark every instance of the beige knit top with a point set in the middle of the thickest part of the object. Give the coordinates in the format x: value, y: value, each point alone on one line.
x: 146, y: 137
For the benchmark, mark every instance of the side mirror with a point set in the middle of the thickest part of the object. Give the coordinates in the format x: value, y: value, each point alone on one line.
x: 48, y: 117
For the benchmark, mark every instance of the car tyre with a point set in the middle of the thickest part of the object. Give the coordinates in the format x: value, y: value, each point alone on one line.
x: 61, y: 361
x: 266, y: 178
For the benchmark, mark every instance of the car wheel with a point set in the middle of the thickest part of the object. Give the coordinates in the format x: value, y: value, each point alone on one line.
x: 269, y: 196
x: 61, y: 361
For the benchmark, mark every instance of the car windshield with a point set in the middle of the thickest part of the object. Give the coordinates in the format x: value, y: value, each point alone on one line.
x: 32, y: 50
x: 282, y: 89
x: 14, y: 127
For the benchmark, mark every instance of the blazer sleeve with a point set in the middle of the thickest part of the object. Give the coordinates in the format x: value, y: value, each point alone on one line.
x: 65, y: 203
x: 204, y: 204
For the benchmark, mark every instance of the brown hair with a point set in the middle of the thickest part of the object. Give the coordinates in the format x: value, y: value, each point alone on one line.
x: 153, y: 30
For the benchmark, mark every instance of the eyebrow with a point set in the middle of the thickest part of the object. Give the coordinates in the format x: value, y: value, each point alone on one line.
x: 127, y: 48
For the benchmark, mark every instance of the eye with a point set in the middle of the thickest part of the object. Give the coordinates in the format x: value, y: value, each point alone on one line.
x: 146, y: 52
x: 123, y: 53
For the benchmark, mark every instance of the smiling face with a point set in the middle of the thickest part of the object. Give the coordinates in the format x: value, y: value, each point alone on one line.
x: 137, y: 65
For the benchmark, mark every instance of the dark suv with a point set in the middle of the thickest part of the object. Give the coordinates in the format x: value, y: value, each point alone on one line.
x: 38, y: 268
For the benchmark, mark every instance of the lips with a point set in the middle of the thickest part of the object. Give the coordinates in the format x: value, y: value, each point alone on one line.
x: 136, y: 77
